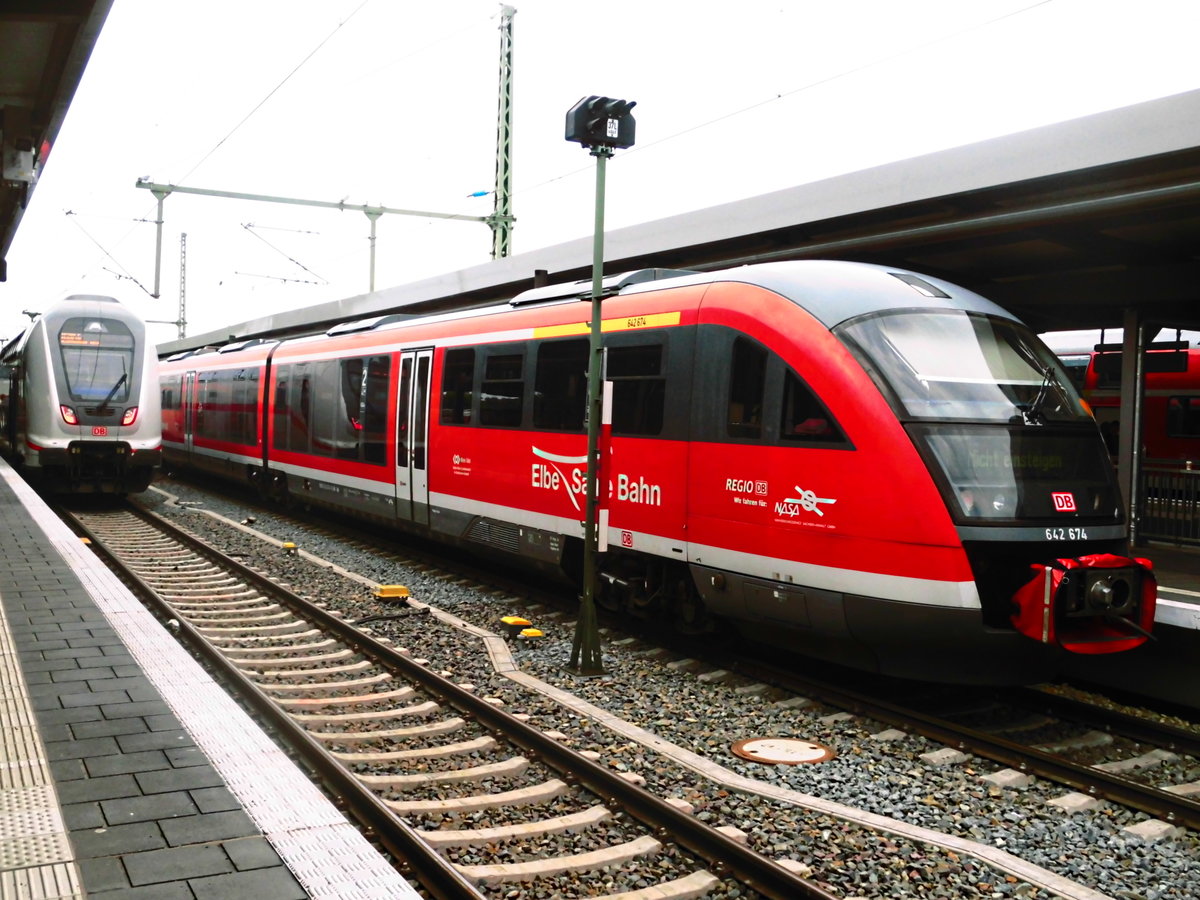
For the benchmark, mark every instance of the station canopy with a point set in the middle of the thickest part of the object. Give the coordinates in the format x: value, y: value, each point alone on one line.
x: 44, y: 47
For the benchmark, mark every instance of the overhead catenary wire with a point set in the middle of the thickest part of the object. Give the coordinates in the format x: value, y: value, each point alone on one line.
x: 271, y: 93
x: 103, y: 250
x: 250, y: 226
x: 282, y: 278
x: 812, y: 85
x: 217, y: 146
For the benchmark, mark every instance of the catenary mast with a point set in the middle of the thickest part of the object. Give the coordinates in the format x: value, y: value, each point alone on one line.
x: 501, y: 219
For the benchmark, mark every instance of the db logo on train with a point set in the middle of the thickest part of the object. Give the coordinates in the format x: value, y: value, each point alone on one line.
x: 1063, y: 501
x: 100, y: 431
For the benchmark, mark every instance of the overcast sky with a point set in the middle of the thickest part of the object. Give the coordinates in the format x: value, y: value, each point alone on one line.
x: 394, y: 103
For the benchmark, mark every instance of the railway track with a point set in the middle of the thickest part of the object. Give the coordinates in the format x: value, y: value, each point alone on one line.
x: 1099, y: 752
x: 470, y: 796
x: 1095, y: 750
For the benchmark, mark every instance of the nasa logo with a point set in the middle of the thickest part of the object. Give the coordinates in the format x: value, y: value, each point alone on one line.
x: 804, y: 500
x: 1064, y: 501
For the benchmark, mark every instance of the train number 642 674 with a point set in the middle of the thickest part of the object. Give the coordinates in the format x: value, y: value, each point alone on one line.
x: 1066, y: 534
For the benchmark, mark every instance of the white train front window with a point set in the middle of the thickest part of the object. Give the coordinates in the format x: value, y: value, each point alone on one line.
x: 97, y: 358
x: 956, y: 365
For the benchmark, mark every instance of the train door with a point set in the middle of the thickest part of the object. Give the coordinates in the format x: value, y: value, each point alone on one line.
x: 412, y: 436
x: 189, y: 413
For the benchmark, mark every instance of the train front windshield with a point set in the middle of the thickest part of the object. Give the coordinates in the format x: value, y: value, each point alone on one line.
x: 997, y: 419
x: 97, y: 357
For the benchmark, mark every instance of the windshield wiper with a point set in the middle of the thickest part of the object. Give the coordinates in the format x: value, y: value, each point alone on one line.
x: 1031, y: 413
x: 103, y: 407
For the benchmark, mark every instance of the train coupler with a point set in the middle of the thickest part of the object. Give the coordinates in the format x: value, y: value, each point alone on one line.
x: 1102, y: 603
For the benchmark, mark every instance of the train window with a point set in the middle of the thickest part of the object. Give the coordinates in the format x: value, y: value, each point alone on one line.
x: 1183, y: 417
x: 560, y: 386
x: 244, y: 409
x: 374, y: 407
x: 639, y: 388
x: 502, y: 393
x: 958, y: 365
x: 420, y: 408
x: 205, y: 403
x: 458, y: 374
x: 221, y: 423
x: 280, y: 421
x: 329, y: 426
x: 747, y: 384
x: 97, y: 359
x: 804, y: 417
x: 170, y: 394
x: 402, y: 412
x: 1076, y: 366
x: 300, y: 408
x: 359, y: 410
x: 349, y: 420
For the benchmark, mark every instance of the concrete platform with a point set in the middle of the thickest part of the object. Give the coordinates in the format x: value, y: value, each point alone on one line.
x: 126, y: 772
x: 1178, y: 571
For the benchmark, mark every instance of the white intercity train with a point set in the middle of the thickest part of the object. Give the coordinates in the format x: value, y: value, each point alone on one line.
x: 79, y: 399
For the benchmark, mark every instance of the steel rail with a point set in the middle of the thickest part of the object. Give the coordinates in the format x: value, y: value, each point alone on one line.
x: 1170, y: 737
x: 726, y: 856
x: 435, y: 873
x: 1173, y: 808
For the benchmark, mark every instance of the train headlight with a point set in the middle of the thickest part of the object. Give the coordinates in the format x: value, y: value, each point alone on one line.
x: 130, y: 416
x: 68, y: 415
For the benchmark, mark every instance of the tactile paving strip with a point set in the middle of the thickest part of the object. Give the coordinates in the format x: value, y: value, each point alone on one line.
x: 55, y: 882
x: 35, y: 855
x: 32, y: 828
x: 22, y: 763
x: 328, y: 867
x: 327, y: 854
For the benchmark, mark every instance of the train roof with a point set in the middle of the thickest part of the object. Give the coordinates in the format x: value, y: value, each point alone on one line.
x: 831, y: 291
x: 80, y: 301
x: 76, y: 305
x: 835, y: 291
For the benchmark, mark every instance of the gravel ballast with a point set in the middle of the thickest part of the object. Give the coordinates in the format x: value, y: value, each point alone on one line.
x: 870, y: 771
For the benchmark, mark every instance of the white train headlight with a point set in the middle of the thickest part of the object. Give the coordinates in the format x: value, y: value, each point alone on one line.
x: 130, y: 416
x: 68, y: 415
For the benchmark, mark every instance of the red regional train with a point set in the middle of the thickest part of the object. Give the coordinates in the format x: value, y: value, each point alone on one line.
x: 1171, y: 401
x: 860, y: 463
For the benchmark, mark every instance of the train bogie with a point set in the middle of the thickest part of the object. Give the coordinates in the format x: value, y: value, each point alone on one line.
x: 861, y: 463
x: 80, y: 405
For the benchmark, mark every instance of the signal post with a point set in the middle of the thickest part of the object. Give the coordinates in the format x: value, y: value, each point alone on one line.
x: 602, y: 125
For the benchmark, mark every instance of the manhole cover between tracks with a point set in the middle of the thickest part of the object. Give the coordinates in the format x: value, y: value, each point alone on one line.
x: 786, y: 751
